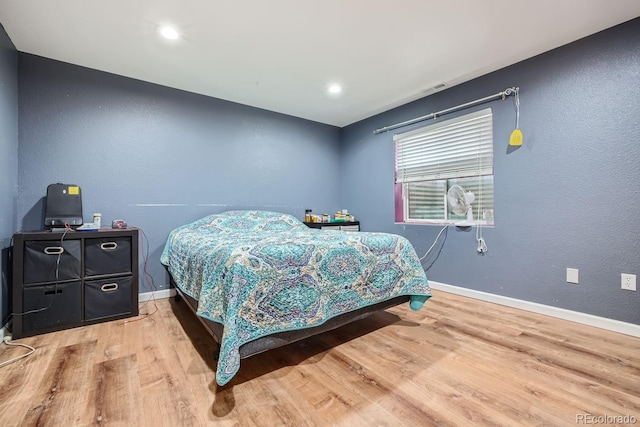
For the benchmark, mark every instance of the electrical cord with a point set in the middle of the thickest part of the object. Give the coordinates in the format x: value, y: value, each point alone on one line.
x: 517, y: 105
x: 443, y: 230
x: 439, y: 251
x: 147, y: 277
x: 57, y: 277
x: 7, y: 341
x: 482, y: 246
x: 434, y: 242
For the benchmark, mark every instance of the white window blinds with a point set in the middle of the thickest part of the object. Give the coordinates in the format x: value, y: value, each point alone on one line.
x: 455, y: 148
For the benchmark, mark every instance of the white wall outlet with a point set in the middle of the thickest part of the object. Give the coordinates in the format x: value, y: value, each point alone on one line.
x: 572, y: 275
x: 628, y: 281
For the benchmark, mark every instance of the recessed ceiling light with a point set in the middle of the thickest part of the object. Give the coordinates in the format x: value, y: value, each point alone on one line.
x: 168, y: 32
x: 334, y: 89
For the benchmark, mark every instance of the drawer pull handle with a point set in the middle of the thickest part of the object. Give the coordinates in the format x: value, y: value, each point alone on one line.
x: 109, y: 287
x: 109, y: 246
x: 54, y: 250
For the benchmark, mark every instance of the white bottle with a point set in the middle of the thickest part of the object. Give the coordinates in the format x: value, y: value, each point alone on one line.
x: 97, y: 220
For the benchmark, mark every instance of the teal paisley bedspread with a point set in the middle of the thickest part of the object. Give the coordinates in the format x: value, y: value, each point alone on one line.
x: 260, y: 272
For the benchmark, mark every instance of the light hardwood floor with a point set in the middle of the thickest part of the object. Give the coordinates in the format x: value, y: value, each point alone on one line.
x: 455, y: 362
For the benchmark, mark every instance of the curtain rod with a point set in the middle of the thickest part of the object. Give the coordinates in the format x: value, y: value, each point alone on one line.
x: 503, y: 95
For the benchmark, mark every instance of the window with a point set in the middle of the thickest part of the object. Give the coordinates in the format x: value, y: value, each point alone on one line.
x: 431, y: 159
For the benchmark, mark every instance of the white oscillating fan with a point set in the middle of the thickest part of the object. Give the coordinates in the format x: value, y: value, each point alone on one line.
x: 460, y: 203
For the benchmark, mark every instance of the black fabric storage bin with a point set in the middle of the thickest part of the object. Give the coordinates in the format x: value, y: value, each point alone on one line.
x: 111, y: 255
x: 106, y: 298
x: 64, y: 302
x: 41, y: 261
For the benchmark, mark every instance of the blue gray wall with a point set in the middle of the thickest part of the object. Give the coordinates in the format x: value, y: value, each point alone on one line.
x: 8, y: 159
x: 568, y: 197
x: 159, y: 157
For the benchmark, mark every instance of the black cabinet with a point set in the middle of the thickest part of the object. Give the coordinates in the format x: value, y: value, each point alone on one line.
x: 341, y: 226
x: 64, y: 280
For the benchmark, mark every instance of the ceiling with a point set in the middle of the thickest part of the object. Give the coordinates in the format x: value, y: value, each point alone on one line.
x: 281, y: 55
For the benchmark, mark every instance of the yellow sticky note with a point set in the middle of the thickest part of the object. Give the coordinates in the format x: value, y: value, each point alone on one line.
x: 74, y: 190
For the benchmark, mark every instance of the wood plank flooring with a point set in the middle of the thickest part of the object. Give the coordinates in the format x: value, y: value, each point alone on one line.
x: 456, y: 362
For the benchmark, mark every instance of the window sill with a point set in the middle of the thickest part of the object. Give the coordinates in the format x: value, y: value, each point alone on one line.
x: 458, y: 223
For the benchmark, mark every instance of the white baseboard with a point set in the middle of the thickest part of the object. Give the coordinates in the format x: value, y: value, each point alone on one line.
x: 159, y: 294
x: 560, y: 313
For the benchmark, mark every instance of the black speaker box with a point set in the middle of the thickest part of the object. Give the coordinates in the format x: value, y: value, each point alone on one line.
x: 63, y: 206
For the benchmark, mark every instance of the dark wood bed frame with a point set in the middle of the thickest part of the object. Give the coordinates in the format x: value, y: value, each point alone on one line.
x: 283, y: 338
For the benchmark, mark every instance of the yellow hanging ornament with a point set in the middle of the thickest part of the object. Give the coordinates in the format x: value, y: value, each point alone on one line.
x: 516, y: 136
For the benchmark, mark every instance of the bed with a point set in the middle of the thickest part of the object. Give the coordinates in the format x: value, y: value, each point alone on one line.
x: 259, y: 279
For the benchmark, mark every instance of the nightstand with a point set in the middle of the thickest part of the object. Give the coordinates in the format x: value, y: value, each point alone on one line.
x: 341, y: 226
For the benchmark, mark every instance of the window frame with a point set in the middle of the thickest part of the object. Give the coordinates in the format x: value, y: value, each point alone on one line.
x: 401, y: 191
